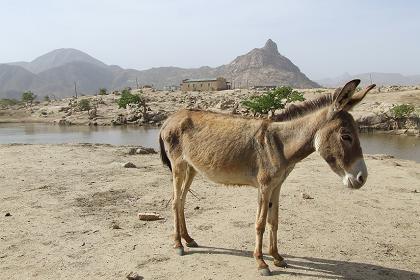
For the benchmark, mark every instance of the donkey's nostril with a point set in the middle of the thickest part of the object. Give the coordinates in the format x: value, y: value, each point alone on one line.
x: 360, y: 178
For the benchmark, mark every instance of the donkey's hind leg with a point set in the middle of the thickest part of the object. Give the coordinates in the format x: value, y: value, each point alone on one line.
x: 261, y: 219
x: 189, y: 176
x: 178, y: 173
x: 273, y: 222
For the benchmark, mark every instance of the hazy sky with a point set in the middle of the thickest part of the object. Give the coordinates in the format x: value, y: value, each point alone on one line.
x: 323, y: 38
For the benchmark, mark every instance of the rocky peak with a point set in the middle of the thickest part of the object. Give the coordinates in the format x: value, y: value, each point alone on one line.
x: 271, y: 47
x: 265, y: 66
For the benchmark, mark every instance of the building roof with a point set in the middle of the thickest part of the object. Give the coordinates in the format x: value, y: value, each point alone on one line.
x: 199, y: 80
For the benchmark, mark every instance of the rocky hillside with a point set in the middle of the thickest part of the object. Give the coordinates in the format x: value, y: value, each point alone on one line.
x: 265, y: 66
x: 371, y: 114
x: 56, y: 72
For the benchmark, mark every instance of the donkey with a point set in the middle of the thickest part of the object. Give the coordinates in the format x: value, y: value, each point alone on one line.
x: 261, y: 153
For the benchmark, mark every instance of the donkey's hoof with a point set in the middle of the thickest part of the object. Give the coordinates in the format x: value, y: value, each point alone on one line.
x: 192, y: 244
x: 280, y: 263
x: 179, y: 251
x: 264, y: 271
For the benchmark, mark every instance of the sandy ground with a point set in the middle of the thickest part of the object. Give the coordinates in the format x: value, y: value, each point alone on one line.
x: 66, y: 200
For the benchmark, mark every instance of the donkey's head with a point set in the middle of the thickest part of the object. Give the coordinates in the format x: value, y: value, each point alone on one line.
x: 337, y: 140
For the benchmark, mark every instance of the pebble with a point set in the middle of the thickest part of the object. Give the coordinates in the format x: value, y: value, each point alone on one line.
x: 149, y: 216
x: 134, y: 276
x: 129, y: 165
x: 8, y: 214
x: 116, y: 226
x: 306, y: 196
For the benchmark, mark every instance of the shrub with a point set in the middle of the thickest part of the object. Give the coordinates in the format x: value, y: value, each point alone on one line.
x: 272, y: 100
x: 402, y: 111
x: 47, y: 98
x: 128, y: 98
x: 84, y: 105
x: 8, y: 102
x: 102, y: 91
x: 28, y: 97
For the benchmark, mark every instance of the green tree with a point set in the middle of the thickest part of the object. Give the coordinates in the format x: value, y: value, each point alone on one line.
x: 128, y: 98
x: 102, y: 91
x: 84, y: 105
x: 28, y: 97
x: 272, y: 100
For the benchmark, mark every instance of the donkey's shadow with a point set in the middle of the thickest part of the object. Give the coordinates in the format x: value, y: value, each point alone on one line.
x: 320, y: 268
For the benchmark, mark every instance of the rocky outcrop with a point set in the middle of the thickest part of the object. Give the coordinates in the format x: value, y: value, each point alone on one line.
x: 265, y: 67
x: 381, y: 122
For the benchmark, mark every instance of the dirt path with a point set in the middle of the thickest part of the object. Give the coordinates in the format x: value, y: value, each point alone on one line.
x: 65, y: 202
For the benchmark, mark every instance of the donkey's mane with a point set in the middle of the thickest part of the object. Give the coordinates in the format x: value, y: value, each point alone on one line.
x: 295, y: 111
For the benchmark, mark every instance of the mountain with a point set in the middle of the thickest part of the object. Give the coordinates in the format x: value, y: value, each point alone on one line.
x: 382, y: 79
x: 58, y: 58
x: 89, y: 77
x: 265, y: 66
x: 14, y: 80
x: 56, y: 72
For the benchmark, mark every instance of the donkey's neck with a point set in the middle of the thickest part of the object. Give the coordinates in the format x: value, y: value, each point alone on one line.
x: 298, y: 135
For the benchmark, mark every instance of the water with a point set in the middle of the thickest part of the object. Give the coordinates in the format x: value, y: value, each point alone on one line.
x: 404, y: 147
x: 55, y: 134
x: 400, y: 146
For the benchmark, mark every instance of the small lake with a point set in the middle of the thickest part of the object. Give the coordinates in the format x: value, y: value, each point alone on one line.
x: 36, y: 133
x: 404, y: 147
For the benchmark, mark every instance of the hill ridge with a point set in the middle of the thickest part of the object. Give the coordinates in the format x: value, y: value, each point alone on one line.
x: 55, y: 70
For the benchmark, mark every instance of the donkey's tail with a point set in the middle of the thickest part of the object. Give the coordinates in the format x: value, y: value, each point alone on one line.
x: 163, y: 155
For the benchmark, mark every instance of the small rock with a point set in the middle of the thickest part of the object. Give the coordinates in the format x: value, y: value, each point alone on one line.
x: 83, y: 244
x: 196, y: 207
x: 134, y: 276
x: 306, y: 196
x: 415, y: 191
x: 397, y: 164
x: 8, y: 214
x: 144, y: 151
x: 129, y: 165
x: 141, y: 151
x: 115, y: 226
x: 149, y: 216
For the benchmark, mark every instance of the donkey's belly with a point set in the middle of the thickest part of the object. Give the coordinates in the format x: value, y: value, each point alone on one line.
x: 225, y: 176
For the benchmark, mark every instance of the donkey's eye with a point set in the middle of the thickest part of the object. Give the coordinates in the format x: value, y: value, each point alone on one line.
x: 330, y: 160
x: 346, y: 137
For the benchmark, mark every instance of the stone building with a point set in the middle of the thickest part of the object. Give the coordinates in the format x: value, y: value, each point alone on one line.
x: 205, y: 84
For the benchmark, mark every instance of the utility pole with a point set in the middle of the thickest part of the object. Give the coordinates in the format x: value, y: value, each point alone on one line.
x: 137, y: 83
x: 75, y: 89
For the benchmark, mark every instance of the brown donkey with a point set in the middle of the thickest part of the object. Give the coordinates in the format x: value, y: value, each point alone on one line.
x: 261, y: 153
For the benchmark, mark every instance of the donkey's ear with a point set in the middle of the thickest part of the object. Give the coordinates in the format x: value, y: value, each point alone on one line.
x: 343, y: 96
x: 358, y: 96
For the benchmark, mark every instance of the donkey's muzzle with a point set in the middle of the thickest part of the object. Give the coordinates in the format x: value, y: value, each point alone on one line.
x: 356, y: 176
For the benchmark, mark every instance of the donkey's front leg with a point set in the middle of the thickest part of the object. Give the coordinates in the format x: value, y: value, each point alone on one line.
x: 273, y: 222
x: 178, y: 174
x: 260, y: 222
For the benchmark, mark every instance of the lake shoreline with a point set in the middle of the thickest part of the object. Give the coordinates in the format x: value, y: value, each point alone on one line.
x: 370, y: 114
x: 362, y: 129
